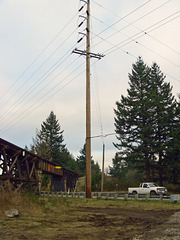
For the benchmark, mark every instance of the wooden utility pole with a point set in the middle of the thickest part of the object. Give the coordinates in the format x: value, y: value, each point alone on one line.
x: 88, y: 107
x: 88, y: 55
x: 102, y: 177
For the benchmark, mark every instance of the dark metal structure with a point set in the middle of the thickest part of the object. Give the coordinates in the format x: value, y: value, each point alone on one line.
x: 25, y: 169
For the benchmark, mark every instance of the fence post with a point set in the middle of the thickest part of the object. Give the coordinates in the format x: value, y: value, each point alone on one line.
x: 161, y: 197
x: 115, y: 196
x: 147, y: 197
x: 136, y: 197
x: 99, y: 195
x: 125, y: 196
x: 107, y: 195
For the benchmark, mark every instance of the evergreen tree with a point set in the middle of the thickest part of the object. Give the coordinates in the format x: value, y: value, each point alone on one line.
x: 164, y: 111
x: 119, y: 167
x: 81, y: 160
x: 173, y: 150
x: 96, y: 176
x: 48, y: 141
x: 143, y: 121
x: 95, y: 168
x: 133, y: 121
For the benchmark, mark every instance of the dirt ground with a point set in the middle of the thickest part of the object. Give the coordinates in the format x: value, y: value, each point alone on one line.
x: 82, y: 222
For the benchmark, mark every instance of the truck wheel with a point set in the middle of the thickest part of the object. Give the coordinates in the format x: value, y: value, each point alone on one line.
x: 134, y: 192
x: 153, y: 193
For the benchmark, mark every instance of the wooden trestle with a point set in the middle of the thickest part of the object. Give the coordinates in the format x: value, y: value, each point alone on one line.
x: 24, y: 169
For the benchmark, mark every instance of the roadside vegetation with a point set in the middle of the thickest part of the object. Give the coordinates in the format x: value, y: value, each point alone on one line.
x: 66, y: 218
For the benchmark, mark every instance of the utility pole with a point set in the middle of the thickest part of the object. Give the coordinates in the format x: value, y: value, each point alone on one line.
x: 88, y: 107
x: 102, y: 177
x: 88, y: 55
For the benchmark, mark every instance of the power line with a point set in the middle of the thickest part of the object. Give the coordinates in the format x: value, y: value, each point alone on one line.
x: 97, y: 100
x: 20, y: 117
x: 22, y: 100
x: 112, y: 49
x: 134, y: 21
x: 54, y: 38
x: 141, y: 31
x: 125, y: 15
x: 130, y: 39
x: 40, y: 68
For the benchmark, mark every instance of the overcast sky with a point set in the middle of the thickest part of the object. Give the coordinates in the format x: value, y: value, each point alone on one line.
x: 39, y: 73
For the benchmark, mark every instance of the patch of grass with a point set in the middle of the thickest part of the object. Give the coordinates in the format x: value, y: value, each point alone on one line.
x: 144, y: 205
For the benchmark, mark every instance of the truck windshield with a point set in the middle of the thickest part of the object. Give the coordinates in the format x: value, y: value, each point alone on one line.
x: 153, y: 185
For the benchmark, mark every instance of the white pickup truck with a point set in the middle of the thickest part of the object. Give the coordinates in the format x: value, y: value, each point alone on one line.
x: 148, y: 188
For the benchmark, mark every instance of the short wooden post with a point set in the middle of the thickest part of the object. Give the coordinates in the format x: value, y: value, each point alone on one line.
x: 115, y: 196
x: 125, y: 196
x: 107, y: 195
x: 161, y: 197
x: 147, y: 197
x: 99, y: 195
x: 136, y: 197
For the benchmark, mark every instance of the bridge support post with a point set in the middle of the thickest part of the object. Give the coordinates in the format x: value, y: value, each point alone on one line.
x: 39, y: 179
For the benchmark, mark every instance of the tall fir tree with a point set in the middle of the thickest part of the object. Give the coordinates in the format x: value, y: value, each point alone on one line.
x: 143, y: 121
x: 173, y: 150
x: 164, y: 113
x: 95, y: 168
x: 48, y: 141
x: 133, y: 121
x: 81, y: 160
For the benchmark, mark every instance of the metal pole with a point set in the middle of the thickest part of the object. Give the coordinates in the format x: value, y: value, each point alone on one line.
x: 88, y: 108
x: 102, y: 178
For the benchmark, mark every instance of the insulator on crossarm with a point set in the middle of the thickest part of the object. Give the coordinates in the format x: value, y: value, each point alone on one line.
x: 83, y: 1
x: 81, y: 8
x: 80, y: 24
x: 80, y: 40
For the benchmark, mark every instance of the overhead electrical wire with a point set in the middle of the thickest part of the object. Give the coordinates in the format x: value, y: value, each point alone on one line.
x: 53, y: 39
x: 38, y: 70
x: 38, y: 83
x: 131, y: 23
x: 147, y: 33
x: 97, y: 99
x: 36, y: 93
x: 27, y: 113
x: 128, y: 15
x: 145, y: 15
x: 132, y: 38
x: 142, y: 31
x: 117, y: 47
x: 32, y: 107
x: 125, y: 15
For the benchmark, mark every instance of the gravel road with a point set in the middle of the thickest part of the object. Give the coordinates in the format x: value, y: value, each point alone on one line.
x: 170, y: 230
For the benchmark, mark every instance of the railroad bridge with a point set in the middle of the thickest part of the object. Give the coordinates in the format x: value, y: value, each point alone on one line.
x: 23, y: 168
